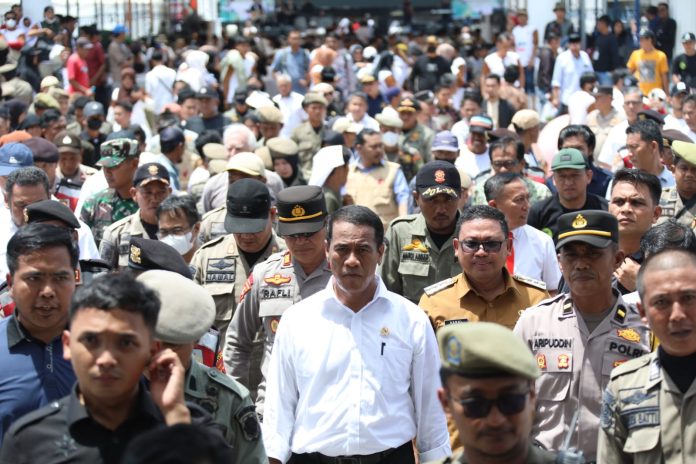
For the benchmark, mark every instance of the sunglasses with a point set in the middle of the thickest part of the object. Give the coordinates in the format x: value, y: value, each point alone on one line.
x: 508, y: 404
x: 302, y: 235
x: 489, y: 246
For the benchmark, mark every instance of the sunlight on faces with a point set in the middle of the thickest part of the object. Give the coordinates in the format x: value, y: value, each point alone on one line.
x: 633, y: 208
x: 588, y: 269
x: 481, y: 265
x: 353, y: 255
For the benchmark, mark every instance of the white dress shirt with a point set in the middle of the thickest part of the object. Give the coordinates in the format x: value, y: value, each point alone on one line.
x: 472, y: 163
x: 293, y: 114
x: 567, y: 72
x: 346, y: 383
x: 535, y: 256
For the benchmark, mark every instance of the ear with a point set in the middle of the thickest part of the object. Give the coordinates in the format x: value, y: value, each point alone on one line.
x: 455, y: 244
x: 657, y: 213
x: 380, y: 250
x: 65, y: 338
x: 492, y: 204
x: 444, y: 401
x: 641, y: 311
x: 589, y: 175
x: 416, y: 197
x: 618, y: 259
x: 133, y: 191
x: 155, y: 346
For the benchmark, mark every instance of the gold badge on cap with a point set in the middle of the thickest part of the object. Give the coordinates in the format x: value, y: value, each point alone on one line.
x: 579, y: 222
x: 152, y: 169
x: 439, y: 176
x: 135, y: 254
x: 298, y: 211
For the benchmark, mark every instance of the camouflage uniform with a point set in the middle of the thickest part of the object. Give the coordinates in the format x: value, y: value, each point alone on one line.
x: 115, y: 245
x: 105, y: 208
x: 213, y: 225
x: 231, y: 407
x: 537, y: 191
x: 272, y: 287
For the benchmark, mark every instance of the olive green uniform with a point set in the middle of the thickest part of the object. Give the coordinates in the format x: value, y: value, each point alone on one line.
x: 412, y: 260
x: 671, y: 203
x: 309, y: 142
x: 231, y: 407
x: 536, y: 456
x: 645, y: 417
x: 115, y: 245
x: 418, y: 139
x: 333, y: 200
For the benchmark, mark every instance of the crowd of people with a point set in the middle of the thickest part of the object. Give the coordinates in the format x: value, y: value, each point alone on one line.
x: 341, y: 247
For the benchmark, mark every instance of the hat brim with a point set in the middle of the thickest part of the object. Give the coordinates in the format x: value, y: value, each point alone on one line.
x: 149, y: 180
x: 478, y: 129
x: 430, y: 192
x: 69, y: 149
x: 445, y: 148
x: 309, y: 226
x: 244, y: 225
x: 110, y: 161
x: 577, y: 167
x: 6, y: 170
x: 594, y: 240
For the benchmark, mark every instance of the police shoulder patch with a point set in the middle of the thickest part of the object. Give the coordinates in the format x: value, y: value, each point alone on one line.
x: 540, y: 284
x: 249, y: 423
x: 433, y: 289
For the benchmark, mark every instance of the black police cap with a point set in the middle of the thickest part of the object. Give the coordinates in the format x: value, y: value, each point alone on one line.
x: 248, y: 207
x: 146, y: 255
x: 51, y: 210
x: 594, y: 227
x: 301, y: 210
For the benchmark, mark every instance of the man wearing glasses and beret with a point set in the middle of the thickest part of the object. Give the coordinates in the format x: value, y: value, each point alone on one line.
x: 578, y: 338
x: 279, y: 282
x: 488, y: 377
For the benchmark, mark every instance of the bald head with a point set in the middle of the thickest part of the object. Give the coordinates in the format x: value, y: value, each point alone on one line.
x: 672, y: 258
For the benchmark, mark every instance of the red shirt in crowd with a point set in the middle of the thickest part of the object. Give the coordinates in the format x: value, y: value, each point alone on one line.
x: 78, y: 71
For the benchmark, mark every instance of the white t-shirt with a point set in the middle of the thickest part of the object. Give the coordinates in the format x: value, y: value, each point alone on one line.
x: 497, y: 65
x: 535, y: 256
x: 472, y: 163
x: 524, y: 42
x: 578, y: 103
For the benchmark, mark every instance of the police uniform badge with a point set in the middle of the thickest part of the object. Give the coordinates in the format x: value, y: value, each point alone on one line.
x: 628, y: 334
x: 453, y: 353
x: 135, y: 252
x: 579, y: 222
x: 563, y: 361
x: 297, y: 211
x: 541, y: 361
x: 152, y: 169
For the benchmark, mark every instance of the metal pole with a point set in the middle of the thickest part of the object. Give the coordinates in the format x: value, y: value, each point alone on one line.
x: 637, y: 14
x: 582, y: 24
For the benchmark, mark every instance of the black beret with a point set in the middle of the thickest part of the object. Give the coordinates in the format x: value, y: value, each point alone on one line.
x: 51, y: 210
x: 146, y: 255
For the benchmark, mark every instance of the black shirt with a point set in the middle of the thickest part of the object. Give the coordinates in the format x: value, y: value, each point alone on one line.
x: 601, y: 178
x: 63, y: 432
x: 680, y: 368
x: 427, y: 72
x: 544, y: 214
x: 608, y: 49
x: 198, y: 124
x: 684, y: 66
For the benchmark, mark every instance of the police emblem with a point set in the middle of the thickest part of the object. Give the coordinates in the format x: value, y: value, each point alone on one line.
x: 65, y: 446
x: 628, y: 334
x: 618, y: 363
x: 415, y: 244
x: 453, y: 353
x: 277, y: 279
x: 579, y: 222
x: 274, y: 324
x: 384, y: 332
x: 297, y: 211
x: 135, y: 254
x: 563, y: 361
x: 153, y: 170
x: 439, y: 176
x: 541, y: 361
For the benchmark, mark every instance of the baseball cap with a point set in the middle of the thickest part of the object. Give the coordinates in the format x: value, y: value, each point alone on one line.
x: 647, y: 34
x: 248, y: 163
x: 207, y: 92
x: 49, y: 81
x: 485, y: 349
x: 172, y: 136
x: 574, y: 37
x: 301, y: 210
x: 116, y: 151
x: 14, y: 156
x: 594, y: 227
x: 314, y: 97
x: 119, y: 29
x: 389, y: 118
x: 248, y: 207
x: 445, y: 141
x: 43, y: 150
x: 150, y: 172
x: 480, y: 123
x: 568, y: 158
x: 679, y: 89
x: 93, y: 109
x: 688, y: 37
x: 438, y: 177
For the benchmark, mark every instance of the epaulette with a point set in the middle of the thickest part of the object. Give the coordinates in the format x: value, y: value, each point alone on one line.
x: 214, y: 241
x: 226, y: 381
x: 407, y: 218
x: 631, y: 365
x: 540, y: 284
x: 213, y: 211
x: 553, y: 299
x: 34, y: 416
x: 434, y: 288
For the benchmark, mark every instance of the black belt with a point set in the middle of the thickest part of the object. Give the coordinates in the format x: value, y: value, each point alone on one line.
x: 375, y: 458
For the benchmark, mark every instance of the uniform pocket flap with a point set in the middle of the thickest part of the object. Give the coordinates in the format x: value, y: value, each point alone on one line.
x: 554, y: 386
x: 415, y: 263
x: 642, y: 438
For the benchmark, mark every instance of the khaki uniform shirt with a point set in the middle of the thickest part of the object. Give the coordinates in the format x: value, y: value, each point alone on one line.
x: 576, y: 364
x: 374, y: 189
x: 273, y: 286
x: 453, y: 300
x: 213, y: 225
x: 115, y: 245
x: 645, y: 418
x: 671, y: 204
x: 309, y: 142
x: 412, y: 260
x: 231, y: 407
x: 83, y: 172
x: 536, y: 456
x: 415, y: 149
x: 601, y: 125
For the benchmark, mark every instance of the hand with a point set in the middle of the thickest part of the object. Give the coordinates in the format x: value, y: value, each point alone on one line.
x: 167, y: 387
x: 626, y: 274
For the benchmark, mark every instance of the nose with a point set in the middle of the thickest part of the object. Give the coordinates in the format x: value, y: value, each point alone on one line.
x: 352, y: 260
x: 677, y: 314
x: 106, y: 359
x: 495, y: 418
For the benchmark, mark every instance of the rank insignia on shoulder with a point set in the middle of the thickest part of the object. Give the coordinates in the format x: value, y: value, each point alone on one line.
x: 530, y: 281
x: 541, y: 361
x: 568, y: 307
x: 415, y: 244
x: 433, y: 289
x: 620, y: 315
x: 628, y: 334
x: 247, y: 286
x: 287, y: 259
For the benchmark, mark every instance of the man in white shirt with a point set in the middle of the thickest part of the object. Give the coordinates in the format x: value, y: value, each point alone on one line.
x: 354, y: 369
x: 526, y: 39
x: 616, y: 139
x: 569, y: 67
x: 159, y: 82
x: 290, y: 104
x: 533, y: 253
x: 582, y: 101
x: 689, y: 110
x: 473, y: 157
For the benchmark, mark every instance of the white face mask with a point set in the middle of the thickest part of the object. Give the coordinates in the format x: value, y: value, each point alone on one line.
x: 10, y: 23
x: 181, y: 243
x: 390, y: 138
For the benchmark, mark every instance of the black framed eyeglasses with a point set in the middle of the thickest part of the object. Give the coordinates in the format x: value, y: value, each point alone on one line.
x: 489, y: 246
x: 507, y: 164
x: 508, y: 404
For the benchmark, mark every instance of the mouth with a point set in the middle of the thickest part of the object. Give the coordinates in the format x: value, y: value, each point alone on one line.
x: 45, y: 310
x: 681, y: 333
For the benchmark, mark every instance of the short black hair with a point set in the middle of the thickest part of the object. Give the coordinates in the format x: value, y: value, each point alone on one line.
x: 669, y: 234
x: 638, y: 177
x: 49, y: 116
x: 360, y: 139
x: 691, y: 98
x: 37, y: 236
x: 495, y: 77
x: 358, y: 94
x: 482, y: 212
x: 511, y: 74
x: 185, y: 94
x: 157, y: 55
x: 125, y: 104
x: 206, y: 137
x: 180, y: 204
x: 648, y: 130
x: 494, y: 185
x: 30, y: 175
x: 121, y: 291
x: 578, y: 130
x: 472, y: 95
x: 359, y: 216
x: 605, y: 19
x: 587, y: 78
x: 503, y: 142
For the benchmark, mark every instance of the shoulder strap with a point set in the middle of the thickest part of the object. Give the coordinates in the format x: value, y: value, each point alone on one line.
x: 687, y: 206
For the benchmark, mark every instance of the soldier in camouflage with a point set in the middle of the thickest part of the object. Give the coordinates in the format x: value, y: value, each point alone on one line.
x: 415, y: 140
x: 119, y: 158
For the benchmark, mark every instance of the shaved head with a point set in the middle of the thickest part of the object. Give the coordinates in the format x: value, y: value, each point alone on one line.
x: 672, y: 258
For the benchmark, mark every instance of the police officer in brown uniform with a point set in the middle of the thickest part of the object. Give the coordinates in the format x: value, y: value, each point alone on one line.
x: 223, y: 265
x: 578, y: 338
x: 276, y: 284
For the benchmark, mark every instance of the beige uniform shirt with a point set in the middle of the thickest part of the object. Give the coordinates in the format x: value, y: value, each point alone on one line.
x: 412, y: 261
x: 601, y: 125
x: 671, y: 204
x: 273, y: 286
x: 374, y: 188
x: 576, y: 365
x: 213, y: 225
x: 645, y: 418
x: 115, y: 245
x: 309, y: 142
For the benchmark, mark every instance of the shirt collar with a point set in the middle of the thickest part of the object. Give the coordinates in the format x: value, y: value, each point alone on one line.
x: 15, y: 332
x: 380, y: 292
x: 463, y: 287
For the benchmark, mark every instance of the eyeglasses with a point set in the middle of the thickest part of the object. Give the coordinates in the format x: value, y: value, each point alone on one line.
x: 508, y: 404
x: 505, y: 164
x: 489, y: 246
x: 175, y: 231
